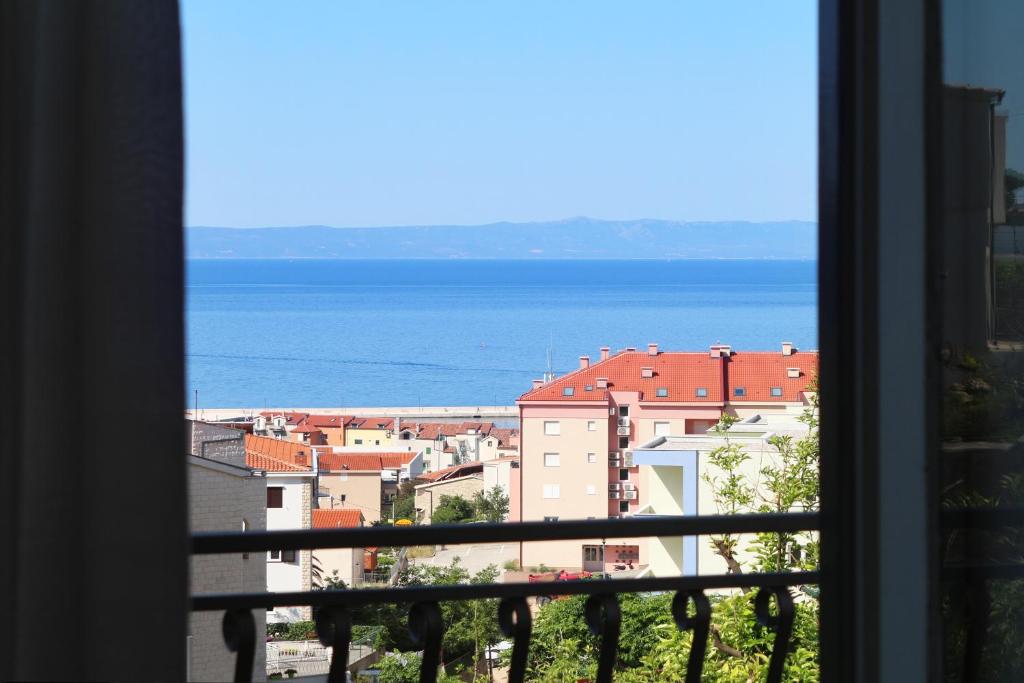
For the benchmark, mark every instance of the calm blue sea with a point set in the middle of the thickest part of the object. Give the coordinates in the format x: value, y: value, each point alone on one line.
x: 462, y: 332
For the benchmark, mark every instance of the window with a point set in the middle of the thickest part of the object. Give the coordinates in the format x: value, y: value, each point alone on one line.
x: 490, y: 443
x: 661, y: 428
x: 551, y: 460
x: 287, y: 555
x: 739, y: 391
x: 551, y: 491
x: 592, y: 458
x: 702, y: 392
x: 552, y: 428
x: 274, y: 556
x: 343, y: 497
x: 591, y: 426
x: 623, y: 506
x: 550, y: 518
x: 591, y: 490
x: 359, y: 442
x: 275, y: 496
x: 592, y: 553
x: 589, y: 387
x: 624, y: 411
x: 428, y: 450
x: 568, y: 391
x: 623, y: 442
x: 623, y: 475
x: 377, y: 442
x: 662, y: 392
x: 776, y: 391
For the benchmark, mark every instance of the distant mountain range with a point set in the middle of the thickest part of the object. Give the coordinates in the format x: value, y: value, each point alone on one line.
x: 585, y: 238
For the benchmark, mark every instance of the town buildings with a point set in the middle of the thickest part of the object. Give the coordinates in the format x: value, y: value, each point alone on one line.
x: 363, y: 479
x: 579, y: 431
x: 345, y: 564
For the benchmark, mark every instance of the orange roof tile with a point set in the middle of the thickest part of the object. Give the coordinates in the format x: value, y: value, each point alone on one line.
x: 286, y: 451
x: 371, y: 423
x: 364, y: 462
x: 453, y: 472
x: 758, y: 372
x: 291, y: 418
x: 681, y: 376
x: 266, y: 462
x: 343, y: 518
x: 327, y: 421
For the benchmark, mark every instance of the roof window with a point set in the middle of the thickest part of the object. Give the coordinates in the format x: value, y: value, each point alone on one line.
x: 702, y: 392
x: 589, y: 387
x: 662, y: 392
x: 739, y: 391
x: 568, y: 391
x: 776, y: 391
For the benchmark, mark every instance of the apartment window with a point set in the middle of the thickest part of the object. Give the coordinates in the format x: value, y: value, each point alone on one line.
x: 552, y: 428
x: 428, y: 450
x: 377, y: 442
x: 591, y: 490
x: 662, y: 392
x: 551, y: 460
x: 343, y: 497
x: 592, y: 458
x: 490, y: 443
x: 623, y: 506
x: 592, y: 553
x: 287, y: 555
x: 739, y: 391
x: 359, y: 442
x: 661, y: 428
x: 568, y: 391
x: 274, y: 556
x: 776, y: 391
x: 551, y: 491
x: 702, y: 392
x: 623, y: 442
x: 624, y: 411
x: 591, y: 426
x: 550, y: 518
x: 275, y: 496
x: 623, y: 475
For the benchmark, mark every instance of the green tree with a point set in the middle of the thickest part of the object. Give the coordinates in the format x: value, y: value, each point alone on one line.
x: 405, y: 502
x: 452, y: 510
x: 491, y: 506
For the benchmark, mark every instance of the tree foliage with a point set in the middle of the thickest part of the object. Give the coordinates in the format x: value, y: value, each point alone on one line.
x: 491, y: 506
x: 452, y: 510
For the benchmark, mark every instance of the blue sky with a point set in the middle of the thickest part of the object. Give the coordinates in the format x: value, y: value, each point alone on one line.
x: 410, y: 113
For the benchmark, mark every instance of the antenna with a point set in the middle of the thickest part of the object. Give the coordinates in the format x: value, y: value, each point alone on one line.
x: 550, y: 375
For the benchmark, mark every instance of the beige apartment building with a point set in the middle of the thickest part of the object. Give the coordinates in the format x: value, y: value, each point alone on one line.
x: 579, y: 431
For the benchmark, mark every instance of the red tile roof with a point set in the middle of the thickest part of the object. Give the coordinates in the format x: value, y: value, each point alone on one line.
x: 327, y: 421
x: 265, y: 462
x: 434, y: 431
x: 288, y: 452
x: 364, y: 462
x: 758, y: 372
x: 291, y: 418
x: 682, y: 374
x: 342, y: 518
x: 371, y: 423
x: 453, y: 472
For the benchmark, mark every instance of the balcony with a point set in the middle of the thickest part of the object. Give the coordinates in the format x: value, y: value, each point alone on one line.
x: 773, y: 604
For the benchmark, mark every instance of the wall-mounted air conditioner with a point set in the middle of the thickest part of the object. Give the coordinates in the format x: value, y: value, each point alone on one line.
x: 623, y: 421
x: 628, y: 486
x: 614, y: 495
x: 623, y: 431
x: 627, y: 459
x: 630, y: 495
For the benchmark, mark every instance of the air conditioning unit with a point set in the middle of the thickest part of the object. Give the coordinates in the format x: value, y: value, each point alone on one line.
x: 614, y: 495
x: 611, y: 411
x: 623, y: 431
x: 628, y: 486
x: 630, y: 495
x: 627, y: 459
x: 615, y: 486
x: 615, y: 462
x: 623, y: 421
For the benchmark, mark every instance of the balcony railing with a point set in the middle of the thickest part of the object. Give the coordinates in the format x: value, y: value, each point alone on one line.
x: 334, y: 624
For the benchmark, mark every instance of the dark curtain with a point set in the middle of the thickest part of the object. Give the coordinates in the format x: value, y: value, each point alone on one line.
x: 93, y: 521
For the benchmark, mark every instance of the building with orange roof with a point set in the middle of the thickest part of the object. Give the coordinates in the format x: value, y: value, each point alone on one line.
x: 289, y: 471
x: 367, y: 480
x: 345, y: 564
x: 321, y: 429
x: 369, y: 431
x: 578, y: 431
x: 449, y: 443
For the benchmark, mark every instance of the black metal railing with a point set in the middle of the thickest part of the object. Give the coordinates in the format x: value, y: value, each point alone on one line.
x: 334, y: 623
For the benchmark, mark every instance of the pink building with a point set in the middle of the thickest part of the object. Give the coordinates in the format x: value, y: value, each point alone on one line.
x: 578, y: 430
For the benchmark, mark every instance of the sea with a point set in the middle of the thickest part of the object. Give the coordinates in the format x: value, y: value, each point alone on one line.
x: 336, y: 333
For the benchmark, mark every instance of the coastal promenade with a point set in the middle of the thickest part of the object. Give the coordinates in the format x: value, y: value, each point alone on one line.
x: 433, y: 413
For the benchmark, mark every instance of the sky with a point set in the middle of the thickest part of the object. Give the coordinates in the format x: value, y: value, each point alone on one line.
x: 442, y: 112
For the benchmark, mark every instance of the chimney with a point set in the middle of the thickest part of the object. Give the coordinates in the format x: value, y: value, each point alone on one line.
x: 584, y: 362
x: 630, y: 348
x: 787, y: 348
x: 602, y: 382
x: 537, y: 383
x: 647, y: 372
x: 652, y: 349
x: 604, y: 352
x: 719, y: 350
x: 716, y: 352
x: 792, y: 373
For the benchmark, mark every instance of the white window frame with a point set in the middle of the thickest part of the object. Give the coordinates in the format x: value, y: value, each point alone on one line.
x: 552, y: 491
x: 552, y: 460
x: 552, y: 428
x: 667, y: 428
x: 592, y: 458
x: 591, y: 490
x: 591, y: 425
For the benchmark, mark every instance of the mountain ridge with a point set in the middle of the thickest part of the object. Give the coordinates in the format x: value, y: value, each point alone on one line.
x: 577, y: 237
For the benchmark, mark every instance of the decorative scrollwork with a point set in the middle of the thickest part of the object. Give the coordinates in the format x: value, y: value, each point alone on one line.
x: 604, y: 618
x: 781, y: 623
x: 239, y: 629
x: 699, y: 623
x: 516, y: 622
x: 425, y: 627
x: 334, y: 629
